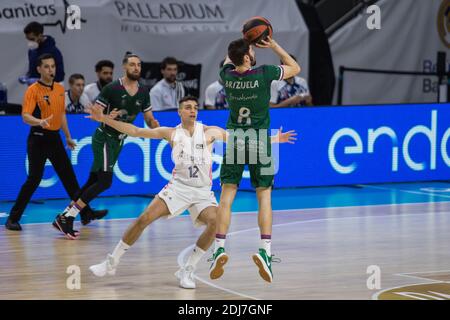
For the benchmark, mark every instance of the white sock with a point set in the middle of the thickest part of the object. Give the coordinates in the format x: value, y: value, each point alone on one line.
x: 73, y: 211
x: 66, y: 209
x: 219, y: 243
x: 195, y: 257
x: 265, y: 244
x: 119, y: 251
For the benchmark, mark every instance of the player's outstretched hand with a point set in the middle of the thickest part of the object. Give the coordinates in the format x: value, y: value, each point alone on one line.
x: 95, y: 113
x: 286, y: 137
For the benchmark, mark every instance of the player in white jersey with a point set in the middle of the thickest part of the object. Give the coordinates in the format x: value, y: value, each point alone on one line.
x: 190, y: 186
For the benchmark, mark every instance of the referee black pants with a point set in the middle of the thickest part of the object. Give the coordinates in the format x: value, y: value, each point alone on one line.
x: 43, y: 145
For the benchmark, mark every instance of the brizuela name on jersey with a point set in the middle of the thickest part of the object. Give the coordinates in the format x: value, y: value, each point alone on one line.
x: 242, y: 84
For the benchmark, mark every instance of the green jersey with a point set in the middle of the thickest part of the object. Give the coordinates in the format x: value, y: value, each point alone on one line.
x: 248, y: 95
x: 114, y: 95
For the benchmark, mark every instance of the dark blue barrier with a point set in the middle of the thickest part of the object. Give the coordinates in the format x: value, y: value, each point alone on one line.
x: 335, y: 146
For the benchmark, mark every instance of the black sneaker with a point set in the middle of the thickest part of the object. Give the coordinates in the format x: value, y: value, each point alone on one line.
x: 87, y: 217
x: 13, y: 226
x: 99, y: 214
x: 65, y: 225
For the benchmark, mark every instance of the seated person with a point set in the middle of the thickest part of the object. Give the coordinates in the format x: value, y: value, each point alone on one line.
x: 75, y: 99
x: 215, y: 95
x: 291, y: 92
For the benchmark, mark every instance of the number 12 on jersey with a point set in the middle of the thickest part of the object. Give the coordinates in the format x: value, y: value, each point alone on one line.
x: 193, y: 172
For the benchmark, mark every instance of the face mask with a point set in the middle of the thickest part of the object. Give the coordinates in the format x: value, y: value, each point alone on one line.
x: 33, y: 45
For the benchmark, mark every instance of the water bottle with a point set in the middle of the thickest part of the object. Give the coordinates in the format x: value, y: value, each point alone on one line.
x: 3, y: 94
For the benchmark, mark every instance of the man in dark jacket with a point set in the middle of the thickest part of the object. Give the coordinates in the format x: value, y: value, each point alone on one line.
x: 38, y: 44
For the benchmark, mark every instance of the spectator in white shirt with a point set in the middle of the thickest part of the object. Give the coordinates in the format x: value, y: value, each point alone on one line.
x: 215, y: 95
x: 75, y: 99
x: 104, y: 70
x: 168, y: 91
x: 291, y: 92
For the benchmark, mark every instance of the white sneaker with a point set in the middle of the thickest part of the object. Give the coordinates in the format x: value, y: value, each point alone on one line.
x: 107, y: 267
x: 186, y: 277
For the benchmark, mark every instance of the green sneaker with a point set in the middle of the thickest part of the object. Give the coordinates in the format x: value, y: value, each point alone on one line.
x: 264, y: 263
x: 219, y: 259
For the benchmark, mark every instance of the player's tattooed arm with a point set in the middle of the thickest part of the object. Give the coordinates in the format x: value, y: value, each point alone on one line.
x: 150, y: 119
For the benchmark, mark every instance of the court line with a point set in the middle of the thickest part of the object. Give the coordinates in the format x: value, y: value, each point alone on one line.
x: 182, y: 254
x: 377, y: 294
x: 415, y: 277
x: 275, y: 211
x: 407, y: 191
x: 437, y: 271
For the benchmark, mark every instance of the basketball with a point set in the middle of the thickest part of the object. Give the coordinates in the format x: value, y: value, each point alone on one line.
x: 256, y: 29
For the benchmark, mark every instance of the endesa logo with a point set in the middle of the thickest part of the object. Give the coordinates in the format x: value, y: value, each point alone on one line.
x: 401, y: 149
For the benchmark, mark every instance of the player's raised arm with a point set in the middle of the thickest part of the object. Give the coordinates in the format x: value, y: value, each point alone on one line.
x: 96, y: 114
x: 214, y: 133
x: 290, y: 66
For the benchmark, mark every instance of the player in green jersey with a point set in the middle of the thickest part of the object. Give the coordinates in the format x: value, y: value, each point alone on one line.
x: 247, y: 90
x: 123, y: 100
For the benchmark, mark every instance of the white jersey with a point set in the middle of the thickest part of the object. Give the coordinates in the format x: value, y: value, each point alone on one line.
x: 79, y: 107
x: 92, y: 91
x: 192, y: 158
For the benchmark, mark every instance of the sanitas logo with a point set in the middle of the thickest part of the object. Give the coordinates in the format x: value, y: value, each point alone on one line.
x: 443, y: 22
x: 29, y: 10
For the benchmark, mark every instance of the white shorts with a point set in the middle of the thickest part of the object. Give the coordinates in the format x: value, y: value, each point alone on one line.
x: 180, y: 197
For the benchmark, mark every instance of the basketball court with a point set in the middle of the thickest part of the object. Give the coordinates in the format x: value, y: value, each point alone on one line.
x: 326, y: 238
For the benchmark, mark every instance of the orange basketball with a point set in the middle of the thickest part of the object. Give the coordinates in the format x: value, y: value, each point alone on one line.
x: 256, y: 29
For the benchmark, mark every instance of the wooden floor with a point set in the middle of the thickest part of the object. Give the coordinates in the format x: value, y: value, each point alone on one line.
x: 324, y: 255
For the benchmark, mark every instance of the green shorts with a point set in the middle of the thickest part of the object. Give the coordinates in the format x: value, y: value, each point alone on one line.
x: 106, y: 149
x: 261, y: 166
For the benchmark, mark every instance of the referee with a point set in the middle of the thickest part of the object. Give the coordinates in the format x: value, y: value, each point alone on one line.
x: 44, y: 110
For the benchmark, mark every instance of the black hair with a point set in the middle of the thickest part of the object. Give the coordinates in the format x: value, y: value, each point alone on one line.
x: 128, y: 55
x: 237, y: 49
x: 187, y: 98
x: 75, y: 76
x: 34, y: 27
x: 168, y: 60
x: 103, y: 63
x: 43, y: 57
